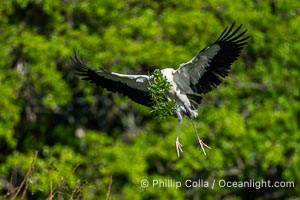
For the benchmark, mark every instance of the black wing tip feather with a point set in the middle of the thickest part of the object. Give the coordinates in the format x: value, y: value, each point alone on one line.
x: 82, y: 69
x: 78, y: 61
x: 231, y: 42
x: 230, y: 35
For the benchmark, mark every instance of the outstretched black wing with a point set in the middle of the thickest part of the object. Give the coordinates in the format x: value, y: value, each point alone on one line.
x: 133, y: 86
x: 206, y: 70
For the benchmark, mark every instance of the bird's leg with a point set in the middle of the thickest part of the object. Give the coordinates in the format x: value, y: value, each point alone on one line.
x: 178, y: 145
x: 202, y: 144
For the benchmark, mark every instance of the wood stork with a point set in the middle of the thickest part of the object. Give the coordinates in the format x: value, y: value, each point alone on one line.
x: 200, y: 75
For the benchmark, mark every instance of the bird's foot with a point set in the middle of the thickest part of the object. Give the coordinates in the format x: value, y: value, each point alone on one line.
x: 178, y: 147
x: 202, y: 144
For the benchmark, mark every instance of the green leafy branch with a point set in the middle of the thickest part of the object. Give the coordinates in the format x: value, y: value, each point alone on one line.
x: 162, y: 108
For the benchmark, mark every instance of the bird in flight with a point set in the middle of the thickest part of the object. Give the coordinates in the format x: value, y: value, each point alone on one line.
x: 200, y: 75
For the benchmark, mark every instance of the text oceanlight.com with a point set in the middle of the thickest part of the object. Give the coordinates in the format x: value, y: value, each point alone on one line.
x: 257, y: 184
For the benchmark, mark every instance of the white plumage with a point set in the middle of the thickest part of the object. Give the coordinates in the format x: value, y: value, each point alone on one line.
x: 200, y: 75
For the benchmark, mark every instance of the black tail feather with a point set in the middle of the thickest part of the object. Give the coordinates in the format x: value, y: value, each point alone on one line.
x: 195, y: 100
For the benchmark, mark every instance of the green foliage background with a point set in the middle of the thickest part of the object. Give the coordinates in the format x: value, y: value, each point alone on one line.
x: 85, y: 134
